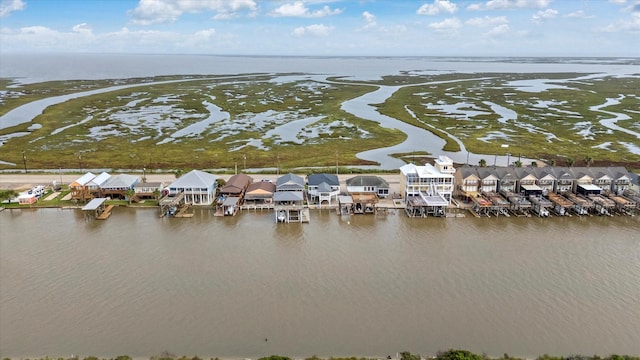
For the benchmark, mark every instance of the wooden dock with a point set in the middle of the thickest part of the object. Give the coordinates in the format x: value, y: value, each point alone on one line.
x: 104, y: 215
x: 183, y: 212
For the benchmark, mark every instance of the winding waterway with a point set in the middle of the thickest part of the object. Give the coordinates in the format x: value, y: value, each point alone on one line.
x: 108, y: 66
x: 366, y: 285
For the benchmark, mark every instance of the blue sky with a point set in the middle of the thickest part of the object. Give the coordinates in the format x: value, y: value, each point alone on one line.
x: 314, y: 27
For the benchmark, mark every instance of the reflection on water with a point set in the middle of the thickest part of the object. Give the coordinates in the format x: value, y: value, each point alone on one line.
x: 366, y: 285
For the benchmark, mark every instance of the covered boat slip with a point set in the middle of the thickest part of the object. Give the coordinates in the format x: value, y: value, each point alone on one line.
x: 488, y: 204
x: 345, y: 205
x: 540, y: 205
x: 426, y: 205
x: 520, y: 206
x: 364, y: 203
x: 292, y: 213
x: 602, y: 205
x: 582, y: 205
x: 96, y: 208
x: 174, y: 206
x: 230, y: 206
x: 289, y: 207
x: 561, y: 205
x: 623, y: 204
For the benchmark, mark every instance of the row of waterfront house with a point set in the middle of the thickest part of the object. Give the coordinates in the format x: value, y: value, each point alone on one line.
x: 424, y: 190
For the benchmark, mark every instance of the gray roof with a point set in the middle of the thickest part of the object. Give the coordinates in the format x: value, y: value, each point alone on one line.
x: 467, y: 171
x: 522, y: 172
x: 120, y: 181
x: 231, y: 201
x: 94, y: 204
x: 485, y: 172
x: 288, y: 196
x: 195, y: 179
x: 367, y: 180
x: 317, y: 179
x: 324, y: 187
x: 289, y: 182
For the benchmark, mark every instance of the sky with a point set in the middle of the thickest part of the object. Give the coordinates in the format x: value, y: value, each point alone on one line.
x: 324, y: 28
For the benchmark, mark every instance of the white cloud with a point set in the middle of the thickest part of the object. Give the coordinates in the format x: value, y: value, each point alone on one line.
x: 497, y: 31
x: 204, y: 35
x: 510, y: 4
x: 618, y: 1
x: 158, y: 11
x: 437, y: 7
x: 82, y: 28
x: 544, y: 15
x: 81, y: 38
x: 369, y: 20
x: 580, y: 14
x: 487, y: 21
x: 499, y: 25
x: 9, y: 6
x: 447, y: 25
x: 313, y: 30
x: 298, y: 9
x: 631, y: 25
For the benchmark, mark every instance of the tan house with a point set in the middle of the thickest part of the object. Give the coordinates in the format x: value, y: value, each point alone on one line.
x: 260, y: 193
x: 80, y: 188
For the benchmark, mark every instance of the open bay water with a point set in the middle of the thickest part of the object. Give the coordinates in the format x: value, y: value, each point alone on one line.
x: 365, y: 285
x: 31, y: 68
x: 368, y: 286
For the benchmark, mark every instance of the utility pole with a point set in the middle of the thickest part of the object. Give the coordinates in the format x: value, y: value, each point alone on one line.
x: 24, y: 161
x: 244, y: 159
x: 508, y: 158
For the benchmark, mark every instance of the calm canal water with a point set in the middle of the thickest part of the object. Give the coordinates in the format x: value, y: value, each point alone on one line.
x: 138, y: 285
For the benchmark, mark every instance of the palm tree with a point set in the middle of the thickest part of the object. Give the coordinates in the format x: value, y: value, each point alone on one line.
x: 570, y: 161
x: 482, y: 162
x: 517, y: 163
x: 552, y: 162
x: 534, y: 164
x: 588, y: 160
x: 129, y: 193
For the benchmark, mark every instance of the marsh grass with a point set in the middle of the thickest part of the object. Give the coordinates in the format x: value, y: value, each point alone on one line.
x: 94, y: 139
x: 566, y: 140
x: 125, y: 129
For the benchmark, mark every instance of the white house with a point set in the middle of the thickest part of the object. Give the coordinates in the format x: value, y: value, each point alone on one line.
x: 199, y: 187
x: 323, y: 187
x: 426, y: 181
x: 368, y: 184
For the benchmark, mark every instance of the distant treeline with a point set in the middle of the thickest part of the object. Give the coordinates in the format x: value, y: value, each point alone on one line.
x: 443, y: 355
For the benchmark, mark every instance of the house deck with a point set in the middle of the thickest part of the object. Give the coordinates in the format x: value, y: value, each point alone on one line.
x: 561, y: 205
x: 623, y: 204
x: 603, y: 205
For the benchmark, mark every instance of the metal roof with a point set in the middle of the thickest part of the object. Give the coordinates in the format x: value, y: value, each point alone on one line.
x: 94, y: 204
x: 288, y: 196
x: 231, y: 201
x: 195, y: 179
x: 120, y: 181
